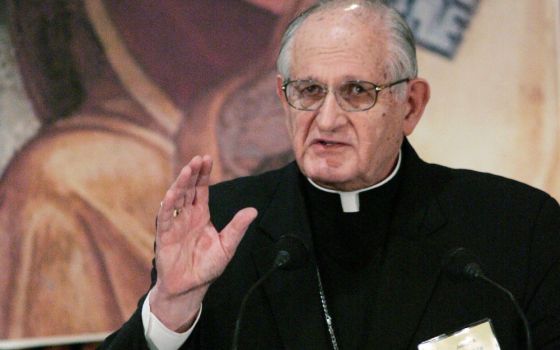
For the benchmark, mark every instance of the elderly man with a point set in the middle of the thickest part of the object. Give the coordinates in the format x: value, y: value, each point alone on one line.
x: 377, y: 220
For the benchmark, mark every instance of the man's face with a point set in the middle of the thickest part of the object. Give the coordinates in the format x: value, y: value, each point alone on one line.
x: 335, y: 148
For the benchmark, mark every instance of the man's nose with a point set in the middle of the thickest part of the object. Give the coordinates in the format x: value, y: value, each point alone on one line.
x: 330, y: 115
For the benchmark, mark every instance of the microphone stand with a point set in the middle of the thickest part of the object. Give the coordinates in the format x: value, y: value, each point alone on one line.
x: 281, y: 259
x: 517, y: 308
x: 460, y: 262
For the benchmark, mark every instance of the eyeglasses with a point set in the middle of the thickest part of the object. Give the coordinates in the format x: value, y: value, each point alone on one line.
x: 351, y: 96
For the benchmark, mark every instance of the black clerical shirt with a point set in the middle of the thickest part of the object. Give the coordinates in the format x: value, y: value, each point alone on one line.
x: 349, y: 249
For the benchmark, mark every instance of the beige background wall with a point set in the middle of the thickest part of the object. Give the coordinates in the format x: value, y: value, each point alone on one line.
x: 495, y: 106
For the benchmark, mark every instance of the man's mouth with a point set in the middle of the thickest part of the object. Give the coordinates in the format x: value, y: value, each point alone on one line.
x: 328, y: 143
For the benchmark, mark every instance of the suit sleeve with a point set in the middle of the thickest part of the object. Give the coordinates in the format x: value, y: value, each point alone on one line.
x: 131, y: 334
x: 543, y: 298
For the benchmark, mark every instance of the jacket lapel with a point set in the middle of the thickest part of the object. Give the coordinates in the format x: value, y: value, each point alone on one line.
x: 293, y: 295
x: 412, y: 263
x: 407, y: 280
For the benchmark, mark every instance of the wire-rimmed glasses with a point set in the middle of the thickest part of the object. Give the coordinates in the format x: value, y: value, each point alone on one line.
x: 351, y: 96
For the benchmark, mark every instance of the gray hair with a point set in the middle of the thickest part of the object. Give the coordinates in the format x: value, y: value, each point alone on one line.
x: 402, y: 50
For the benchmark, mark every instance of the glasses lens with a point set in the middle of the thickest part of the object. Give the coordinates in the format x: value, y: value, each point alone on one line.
x: 305, y: 94
x: 357, y: 95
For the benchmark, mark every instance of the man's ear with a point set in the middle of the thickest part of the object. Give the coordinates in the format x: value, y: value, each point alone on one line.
x: 279, y: 91
x: 417, y: 99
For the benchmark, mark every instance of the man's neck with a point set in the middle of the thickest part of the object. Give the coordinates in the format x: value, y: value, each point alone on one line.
x: 350, y: 200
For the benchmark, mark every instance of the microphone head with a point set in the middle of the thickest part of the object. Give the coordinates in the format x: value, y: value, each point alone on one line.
x: 291, y: 253
x: 459, y: 262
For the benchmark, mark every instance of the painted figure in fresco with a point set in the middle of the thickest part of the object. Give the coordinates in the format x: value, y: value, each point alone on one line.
x: 126, y: 91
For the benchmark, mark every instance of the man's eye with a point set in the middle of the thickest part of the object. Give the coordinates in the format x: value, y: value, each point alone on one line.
x: 311, y: 90
x: 354, y: 89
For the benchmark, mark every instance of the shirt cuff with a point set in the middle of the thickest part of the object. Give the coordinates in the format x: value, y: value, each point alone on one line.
x: 158, y: 336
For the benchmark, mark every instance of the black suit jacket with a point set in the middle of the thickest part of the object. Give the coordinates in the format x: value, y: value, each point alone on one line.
x: 513, y: 229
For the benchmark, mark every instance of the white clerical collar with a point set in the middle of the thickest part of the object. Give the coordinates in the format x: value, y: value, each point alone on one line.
x: 351, y: 200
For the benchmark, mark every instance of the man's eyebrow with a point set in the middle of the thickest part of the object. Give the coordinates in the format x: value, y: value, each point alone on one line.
x: 344, y: 78
x: 307, y: 77
x: 356, y: 78
x: 350, y: 77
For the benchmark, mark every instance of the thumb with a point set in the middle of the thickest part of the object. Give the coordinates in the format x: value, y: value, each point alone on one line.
x: 234, y: 231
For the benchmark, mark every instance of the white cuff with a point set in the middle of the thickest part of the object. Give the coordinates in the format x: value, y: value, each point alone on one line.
x: 158, y: 336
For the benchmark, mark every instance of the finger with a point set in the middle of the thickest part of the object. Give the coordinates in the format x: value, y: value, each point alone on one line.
x: 189, y: 188
x: 203, y: 181
x: 234, y: 231
x: 175, y: 196
x: 165, y: 214
x: 185, y: 183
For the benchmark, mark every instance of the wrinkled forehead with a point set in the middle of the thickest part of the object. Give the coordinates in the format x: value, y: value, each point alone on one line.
x: 340, y: 35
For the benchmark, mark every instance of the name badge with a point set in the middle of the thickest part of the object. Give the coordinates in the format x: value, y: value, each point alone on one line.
x: 477, y: 336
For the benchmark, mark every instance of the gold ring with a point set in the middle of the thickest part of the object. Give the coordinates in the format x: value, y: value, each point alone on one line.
x: 176, y: 212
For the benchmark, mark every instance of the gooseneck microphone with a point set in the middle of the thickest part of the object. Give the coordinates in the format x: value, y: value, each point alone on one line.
x: 461, y: 263
x: 291, y: 254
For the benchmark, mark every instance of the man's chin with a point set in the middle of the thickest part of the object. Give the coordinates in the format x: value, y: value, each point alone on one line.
x: 332, y: 181
x: 325, y: 174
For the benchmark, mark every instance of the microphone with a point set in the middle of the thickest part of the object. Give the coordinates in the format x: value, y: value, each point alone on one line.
x: 291, y: 254
x: 459, y: 262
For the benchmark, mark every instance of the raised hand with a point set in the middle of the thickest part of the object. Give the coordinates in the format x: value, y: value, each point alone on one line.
x: 190, y: 253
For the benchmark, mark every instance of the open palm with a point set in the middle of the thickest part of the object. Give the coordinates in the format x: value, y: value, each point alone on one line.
x: 190, y: 253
